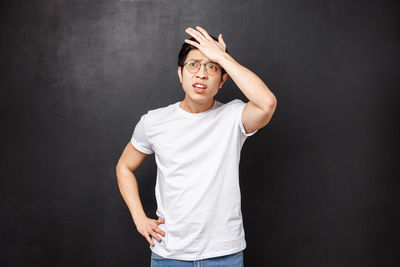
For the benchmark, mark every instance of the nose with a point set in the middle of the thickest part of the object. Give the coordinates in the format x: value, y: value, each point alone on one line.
x: 202, y: 73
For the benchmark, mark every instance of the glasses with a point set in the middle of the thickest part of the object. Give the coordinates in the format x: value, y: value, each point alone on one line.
x: 194, y: 66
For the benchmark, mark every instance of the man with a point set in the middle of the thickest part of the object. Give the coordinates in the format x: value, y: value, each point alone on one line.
x: 197, y: 144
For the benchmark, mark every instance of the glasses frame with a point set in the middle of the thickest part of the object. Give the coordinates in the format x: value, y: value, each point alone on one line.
x: 215, y: 64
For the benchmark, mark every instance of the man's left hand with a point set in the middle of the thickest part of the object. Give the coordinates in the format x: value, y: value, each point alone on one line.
x: 206, y: 44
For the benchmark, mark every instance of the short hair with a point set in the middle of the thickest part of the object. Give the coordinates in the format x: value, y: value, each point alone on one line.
x: 186, y: 49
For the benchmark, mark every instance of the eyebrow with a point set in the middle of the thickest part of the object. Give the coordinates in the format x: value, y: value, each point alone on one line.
x: 194, y: 59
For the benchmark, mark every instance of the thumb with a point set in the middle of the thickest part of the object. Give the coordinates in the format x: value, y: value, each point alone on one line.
x: 161, y: 220
x: 220, y: 40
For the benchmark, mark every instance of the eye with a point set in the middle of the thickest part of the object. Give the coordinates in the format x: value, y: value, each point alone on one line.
x: 192, y: 63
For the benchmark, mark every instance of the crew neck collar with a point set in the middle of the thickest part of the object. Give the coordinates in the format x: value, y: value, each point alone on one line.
x: 195, y: 115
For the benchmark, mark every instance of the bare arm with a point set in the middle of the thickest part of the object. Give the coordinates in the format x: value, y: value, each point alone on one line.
x: 129, y: 161
x: 127, y: 183
x: 128, y: 187
x: 262, y: 102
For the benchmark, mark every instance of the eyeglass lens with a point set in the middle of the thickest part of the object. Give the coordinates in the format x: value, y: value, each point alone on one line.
x: 194, y: 66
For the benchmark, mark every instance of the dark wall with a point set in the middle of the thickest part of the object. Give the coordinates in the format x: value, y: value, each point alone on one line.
x: 320, y: 183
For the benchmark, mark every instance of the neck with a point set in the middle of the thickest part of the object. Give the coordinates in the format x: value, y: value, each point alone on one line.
x: 196, y: 107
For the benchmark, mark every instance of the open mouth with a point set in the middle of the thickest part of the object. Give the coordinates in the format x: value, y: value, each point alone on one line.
x: 199, y: 87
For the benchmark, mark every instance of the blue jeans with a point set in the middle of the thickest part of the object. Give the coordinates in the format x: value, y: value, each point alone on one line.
x: 232, y: 260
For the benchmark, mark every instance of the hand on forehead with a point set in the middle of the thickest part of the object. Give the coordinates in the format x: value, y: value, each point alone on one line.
x: 196, y: 54
x: 213, y: 50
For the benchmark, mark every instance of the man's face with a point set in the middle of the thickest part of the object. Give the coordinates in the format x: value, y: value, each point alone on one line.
x: 188, y: 79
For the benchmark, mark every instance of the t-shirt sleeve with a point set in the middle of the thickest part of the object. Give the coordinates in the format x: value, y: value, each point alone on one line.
x: 240, y: 106
x: 139, y: 138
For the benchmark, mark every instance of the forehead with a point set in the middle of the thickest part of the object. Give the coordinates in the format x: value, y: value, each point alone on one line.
x: 197, y: 54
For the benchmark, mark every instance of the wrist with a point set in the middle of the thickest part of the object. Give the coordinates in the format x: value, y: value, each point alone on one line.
x: 138, y: 215
x: 224, y: 59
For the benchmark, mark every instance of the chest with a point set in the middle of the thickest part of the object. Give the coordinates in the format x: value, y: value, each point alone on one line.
x: 194, y: 142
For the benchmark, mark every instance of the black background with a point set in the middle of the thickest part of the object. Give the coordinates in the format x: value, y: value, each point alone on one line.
x: 320, y: 183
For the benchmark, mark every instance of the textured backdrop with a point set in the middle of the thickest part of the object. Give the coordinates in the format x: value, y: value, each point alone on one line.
x: 320, y: 183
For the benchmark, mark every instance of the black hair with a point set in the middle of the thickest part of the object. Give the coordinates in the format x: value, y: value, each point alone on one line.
x: 186, y: 49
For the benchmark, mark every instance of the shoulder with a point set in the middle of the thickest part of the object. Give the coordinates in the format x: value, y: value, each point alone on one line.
x: 160, y: 113
x: 234, y: 104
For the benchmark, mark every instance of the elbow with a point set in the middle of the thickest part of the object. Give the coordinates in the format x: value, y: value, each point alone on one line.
x: 119, y: 168
x: 271, y: 102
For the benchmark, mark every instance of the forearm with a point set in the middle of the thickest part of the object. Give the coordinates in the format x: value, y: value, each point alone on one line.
x: 129, y: 189
x: 248, y: 82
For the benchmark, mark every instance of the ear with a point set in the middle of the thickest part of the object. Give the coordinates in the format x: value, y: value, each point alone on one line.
x: 223, y: 79
x: 180, y: 74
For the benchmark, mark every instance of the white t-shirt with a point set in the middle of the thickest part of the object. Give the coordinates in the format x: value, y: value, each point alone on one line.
x: 197, y: 187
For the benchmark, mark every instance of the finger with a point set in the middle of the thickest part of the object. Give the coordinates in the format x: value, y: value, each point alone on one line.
x: 161, y: 232
x: 149, y: 239
x: 161, y: 220
x: 195, y: 44
x: 156, y: 237
x: 197, y: 35
x: 205, y: 33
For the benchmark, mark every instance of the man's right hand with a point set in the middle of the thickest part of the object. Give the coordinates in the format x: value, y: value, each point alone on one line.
x: 147, y: 226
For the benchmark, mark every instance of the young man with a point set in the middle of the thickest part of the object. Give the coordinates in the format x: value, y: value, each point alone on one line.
x: 197, y: 144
